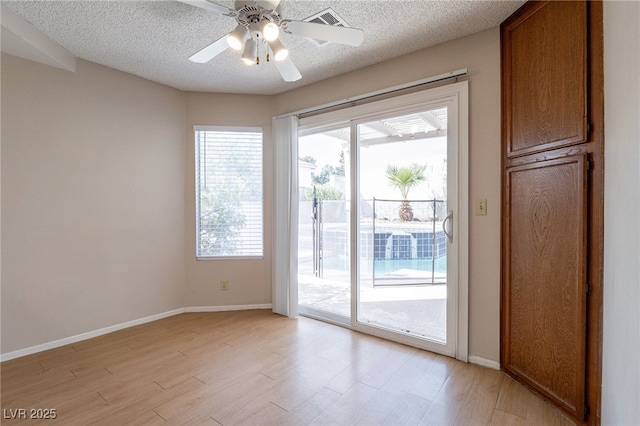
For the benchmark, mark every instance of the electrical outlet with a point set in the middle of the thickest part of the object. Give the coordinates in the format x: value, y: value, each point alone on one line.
x: 224, y: 285
x: 481, y: 207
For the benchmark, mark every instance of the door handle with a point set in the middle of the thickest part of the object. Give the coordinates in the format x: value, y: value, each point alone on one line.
x: 445, y: 222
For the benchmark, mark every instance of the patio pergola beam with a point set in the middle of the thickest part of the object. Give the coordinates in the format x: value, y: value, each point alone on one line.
x: 387, y: 139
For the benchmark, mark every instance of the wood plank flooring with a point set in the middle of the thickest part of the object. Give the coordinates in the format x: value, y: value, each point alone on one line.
x: 258, y: 368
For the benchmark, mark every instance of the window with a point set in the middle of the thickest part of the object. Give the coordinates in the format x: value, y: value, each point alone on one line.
x: 229, y: 219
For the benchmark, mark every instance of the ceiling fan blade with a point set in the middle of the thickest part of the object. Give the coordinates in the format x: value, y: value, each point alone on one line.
x: 210, y: 6
x: 342, y: 35
x: 211, y: 51
x: 288, y: 70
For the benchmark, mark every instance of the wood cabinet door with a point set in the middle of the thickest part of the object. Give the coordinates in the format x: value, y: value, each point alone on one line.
x: 553, y: 202
x: 545, y: 88
x: 545, y: 282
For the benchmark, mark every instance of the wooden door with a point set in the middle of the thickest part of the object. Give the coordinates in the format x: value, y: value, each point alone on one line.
x: 546, y: 278
x: 552, y: 136
x: 546, y: 50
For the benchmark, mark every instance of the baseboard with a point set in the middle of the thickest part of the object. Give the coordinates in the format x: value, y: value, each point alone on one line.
x: 227, y: 308
x: 473, y: 359
x: 91, y: 334
x: 85, y: 336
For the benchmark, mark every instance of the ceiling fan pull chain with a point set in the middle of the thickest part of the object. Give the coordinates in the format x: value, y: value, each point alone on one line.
x: 258, y: 54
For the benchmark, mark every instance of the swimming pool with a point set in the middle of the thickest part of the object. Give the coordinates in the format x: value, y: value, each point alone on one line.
x: 386, y: 266
x: 337, y: 267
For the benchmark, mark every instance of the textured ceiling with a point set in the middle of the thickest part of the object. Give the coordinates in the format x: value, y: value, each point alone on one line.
x: 153, y: 39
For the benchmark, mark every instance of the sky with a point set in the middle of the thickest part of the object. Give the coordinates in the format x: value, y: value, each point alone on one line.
x: 375, y: 159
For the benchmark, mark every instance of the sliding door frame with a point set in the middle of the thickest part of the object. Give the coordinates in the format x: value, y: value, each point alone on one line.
x: 455, y: 97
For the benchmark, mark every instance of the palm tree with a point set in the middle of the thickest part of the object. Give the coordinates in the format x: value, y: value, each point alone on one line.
x: 405, y: 178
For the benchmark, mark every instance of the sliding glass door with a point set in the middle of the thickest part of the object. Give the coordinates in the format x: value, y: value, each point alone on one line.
x: 324, y: 223
x: 402, y: 181
x: 379, y: 246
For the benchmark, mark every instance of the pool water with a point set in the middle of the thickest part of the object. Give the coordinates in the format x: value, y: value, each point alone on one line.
x: 386, y: 266
x: 334, y: 265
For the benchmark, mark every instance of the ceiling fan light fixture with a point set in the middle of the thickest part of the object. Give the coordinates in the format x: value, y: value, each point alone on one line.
x: 237, y: 36
x: 250, y: 52
x: 280, y: 52
x: 271, y: 31
x: 259, y: 24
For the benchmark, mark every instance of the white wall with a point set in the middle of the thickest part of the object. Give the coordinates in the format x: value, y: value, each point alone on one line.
x: 621, y: 341
x: 93, y: 171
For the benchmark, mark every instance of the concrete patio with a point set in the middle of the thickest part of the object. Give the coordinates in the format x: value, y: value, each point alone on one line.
x: 414, y: 309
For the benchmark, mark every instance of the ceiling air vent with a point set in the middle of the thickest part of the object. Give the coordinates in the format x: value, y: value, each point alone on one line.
x: 326, y: 17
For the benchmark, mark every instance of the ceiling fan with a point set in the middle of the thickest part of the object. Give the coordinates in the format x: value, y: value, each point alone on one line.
x: 259, y: 26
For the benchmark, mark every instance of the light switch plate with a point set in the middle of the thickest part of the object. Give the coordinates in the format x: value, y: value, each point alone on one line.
x: 481, y: 207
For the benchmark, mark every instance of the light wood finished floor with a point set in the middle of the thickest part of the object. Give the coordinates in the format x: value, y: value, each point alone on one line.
x: 253, y: 368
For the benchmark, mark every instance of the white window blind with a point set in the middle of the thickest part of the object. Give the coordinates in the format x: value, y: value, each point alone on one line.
x: 229, y: 201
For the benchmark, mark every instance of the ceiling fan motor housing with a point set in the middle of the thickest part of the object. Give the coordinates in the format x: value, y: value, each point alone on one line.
x: 263, y: 4
x: 254, y: 16
x: 255, y: 12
